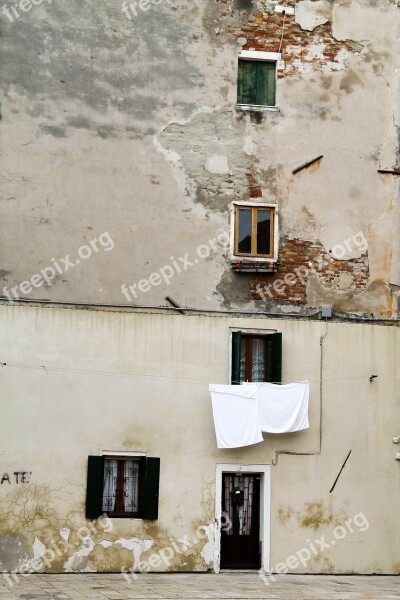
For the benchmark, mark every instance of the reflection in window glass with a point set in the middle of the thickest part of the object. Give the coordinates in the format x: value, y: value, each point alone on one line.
x: 244, y: 238
x: 263, y: 232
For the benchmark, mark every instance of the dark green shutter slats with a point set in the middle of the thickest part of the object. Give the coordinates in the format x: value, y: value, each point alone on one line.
x: 94, y: 489
x: 271, y: 84
x: 256, y: 82
x: 151, y: 484
x: 236, y: 354
x: 274, y: 358
x: 247, y: 85
x: 240, y: 82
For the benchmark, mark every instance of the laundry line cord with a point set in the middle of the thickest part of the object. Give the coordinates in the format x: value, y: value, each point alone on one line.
x: 153, y: 377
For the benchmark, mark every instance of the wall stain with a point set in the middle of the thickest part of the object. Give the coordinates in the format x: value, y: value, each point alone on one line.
x: 285, y: 514
x: 318, y: 514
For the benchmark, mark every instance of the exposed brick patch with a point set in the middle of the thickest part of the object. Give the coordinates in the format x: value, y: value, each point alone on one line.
x: 302, y: 51
x: 301, y: 259
x: 255, y: 190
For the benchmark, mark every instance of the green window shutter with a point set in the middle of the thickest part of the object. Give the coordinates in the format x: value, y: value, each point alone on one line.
x: 94, y: 489
x: 236, y: 355
x: 274, y: 358
x: 271, y: 77
x: 247, y: 82
x: 150, y: 485
x: 266, y: 83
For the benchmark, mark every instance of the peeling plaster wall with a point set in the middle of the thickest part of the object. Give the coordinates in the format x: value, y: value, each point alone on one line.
x: 123, y: 126
x: 139, y: 382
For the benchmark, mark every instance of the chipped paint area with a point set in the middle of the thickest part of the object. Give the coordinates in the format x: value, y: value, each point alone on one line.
x: 207, y: 552
x: 136, y: 546
x: 38, y: 548
x: 78, y: 562
x: 310, y: 14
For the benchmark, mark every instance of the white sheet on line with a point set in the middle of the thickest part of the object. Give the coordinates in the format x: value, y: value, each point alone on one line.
x: 284, y: 408
x: 236, y: 415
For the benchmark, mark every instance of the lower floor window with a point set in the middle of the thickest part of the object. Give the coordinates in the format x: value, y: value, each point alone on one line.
x: 122, y: 487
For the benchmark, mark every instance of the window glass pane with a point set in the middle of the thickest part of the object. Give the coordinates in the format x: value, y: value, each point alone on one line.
x: 247, y: 82
x: 263, y: 232
x: 265, y: 95
x: 244, y: 234
x: 258, y: 360
x: 243, y: 360
x: 110, y: 485
x: 131, y: 488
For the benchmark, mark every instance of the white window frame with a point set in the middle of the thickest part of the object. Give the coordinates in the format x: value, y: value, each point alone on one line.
x: 253, y: 259
x: 274, y: 57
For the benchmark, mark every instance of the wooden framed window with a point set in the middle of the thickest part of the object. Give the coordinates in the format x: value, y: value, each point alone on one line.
x: 122, y: 487
x: 254, y: 231
x: 257, y: 82
x: 256, y: 357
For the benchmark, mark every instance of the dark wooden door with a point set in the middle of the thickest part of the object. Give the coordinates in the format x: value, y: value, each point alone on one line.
x: 240, y: 543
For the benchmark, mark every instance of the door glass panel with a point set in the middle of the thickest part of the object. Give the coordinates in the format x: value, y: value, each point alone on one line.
x: 263, y: 232
x: 244, y: 234
x: 238, y: 502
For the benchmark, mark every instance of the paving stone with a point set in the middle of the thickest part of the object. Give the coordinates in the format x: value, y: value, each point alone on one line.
x: 225, y: 586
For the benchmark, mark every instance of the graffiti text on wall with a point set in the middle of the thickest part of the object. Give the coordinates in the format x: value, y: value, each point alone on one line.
x: 16, y: 477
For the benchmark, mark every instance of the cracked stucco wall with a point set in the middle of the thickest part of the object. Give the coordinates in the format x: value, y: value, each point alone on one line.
x: 101, y: 391
x: 125, y: 127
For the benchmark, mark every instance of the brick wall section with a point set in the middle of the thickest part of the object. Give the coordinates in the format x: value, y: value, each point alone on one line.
x: 299, y: 259
x: 255, y: 190
x: 302, y: 51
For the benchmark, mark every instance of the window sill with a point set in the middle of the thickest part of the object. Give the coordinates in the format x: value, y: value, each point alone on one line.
x: 255, y: 266
x: 126, y: 518
x: 256, y: 107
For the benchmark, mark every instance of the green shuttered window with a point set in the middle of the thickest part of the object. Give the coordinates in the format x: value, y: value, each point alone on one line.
x: 256, y: 358
x: 257, y: 82
x: 122, y: 487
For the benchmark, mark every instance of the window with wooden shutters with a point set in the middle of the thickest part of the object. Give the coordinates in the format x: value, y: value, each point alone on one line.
x: 122, y: 487
x: 256, y: 82
x: 256, y: 357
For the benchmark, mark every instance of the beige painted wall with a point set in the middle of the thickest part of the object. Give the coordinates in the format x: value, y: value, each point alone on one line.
x: 139, y: 382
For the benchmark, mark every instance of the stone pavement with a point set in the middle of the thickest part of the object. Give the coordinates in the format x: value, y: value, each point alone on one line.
x: 232, y: 586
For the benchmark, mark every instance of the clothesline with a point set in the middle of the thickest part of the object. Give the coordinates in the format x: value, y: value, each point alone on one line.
x: 274, y: 382
x: 47, y: 369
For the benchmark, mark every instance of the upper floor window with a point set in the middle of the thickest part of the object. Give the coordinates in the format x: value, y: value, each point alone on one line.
x: 257, y: 77
x: 254, y: 231
x: 256, y: 357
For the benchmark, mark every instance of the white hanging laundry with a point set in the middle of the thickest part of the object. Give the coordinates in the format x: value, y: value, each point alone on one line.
x: 236, y: 415
x: 284, y: 408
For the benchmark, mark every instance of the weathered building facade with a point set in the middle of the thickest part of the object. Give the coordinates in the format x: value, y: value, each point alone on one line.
x: 175, y: 173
